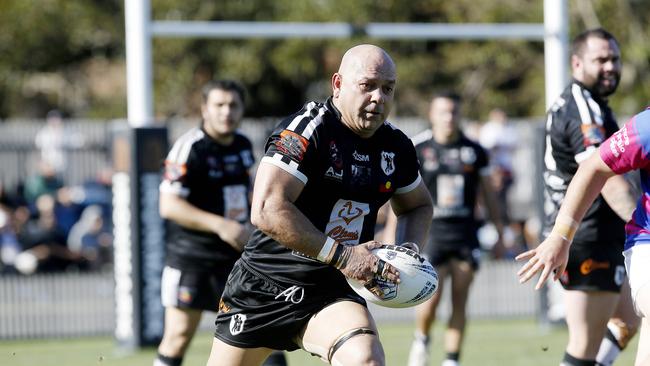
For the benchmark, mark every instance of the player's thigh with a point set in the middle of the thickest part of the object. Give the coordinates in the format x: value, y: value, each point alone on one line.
x: 223, y: 354
x: 337, y: 320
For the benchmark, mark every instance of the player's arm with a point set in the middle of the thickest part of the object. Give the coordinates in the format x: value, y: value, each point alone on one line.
x: 273, y: 212
x: 552, y: 254
x: 175, y: 208
x: 617, y: 192
x: 414, y: 211
x: 492, y: 204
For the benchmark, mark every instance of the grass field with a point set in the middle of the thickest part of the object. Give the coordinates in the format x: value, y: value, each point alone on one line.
x: 488, y: 343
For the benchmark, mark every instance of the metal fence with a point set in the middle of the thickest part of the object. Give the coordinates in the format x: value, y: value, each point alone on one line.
x: 82, y: 304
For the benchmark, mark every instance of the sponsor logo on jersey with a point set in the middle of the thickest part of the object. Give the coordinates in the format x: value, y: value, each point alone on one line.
x: 223, y: 307
x: 590, y: 265
x: 360, y: 174
x: 619, y: 275
x: 335, y: 171
x: 237, y: 323
x: 293, y: 294
x: 618, y: 142
x: 593, y: 134
x: 185, y: 295
x: 292, y: 145
x: 346, y: 221
x: 388, y: 162
x: 360, y: 157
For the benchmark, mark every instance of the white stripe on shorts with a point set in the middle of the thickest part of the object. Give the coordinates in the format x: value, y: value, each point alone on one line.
x: 171, y: 279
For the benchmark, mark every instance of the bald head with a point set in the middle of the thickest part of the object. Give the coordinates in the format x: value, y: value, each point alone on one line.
x: 367, y: 57
x: 363, y: 88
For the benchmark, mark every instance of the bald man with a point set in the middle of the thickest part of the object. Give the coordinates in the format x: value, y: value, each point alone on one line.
x: 326, y: 172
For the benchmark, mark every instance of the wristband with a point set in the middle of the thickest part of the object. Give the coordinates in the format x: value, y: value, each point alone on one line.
x: 566, y: 227
x: 324, y: 254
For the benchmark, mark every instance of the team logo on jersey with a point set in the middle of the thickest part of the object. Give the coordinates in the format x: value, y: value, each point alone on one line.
x: 593, y: 134
x: 388, y: 162
x: 346, y: 221
x: 237, y: 323
x: 467, y: 155
x: 619, y: 275
x: 292, y: 144
x: 335, y: 169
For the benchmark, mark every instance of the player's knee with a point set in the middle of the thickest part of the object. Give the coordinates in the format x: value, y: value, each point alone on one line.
x: 361, y: 355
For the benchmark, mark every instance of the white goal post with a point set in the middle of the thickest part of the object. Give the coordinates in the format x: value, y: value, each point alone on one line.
x: 140, y: 30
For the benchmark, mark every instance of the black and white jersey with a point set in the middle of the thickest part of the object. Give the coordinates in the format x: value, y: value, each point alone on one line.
x: 347, y: 179
x: 576, y: 125
x: 452, y: 173
x: 214, y: 178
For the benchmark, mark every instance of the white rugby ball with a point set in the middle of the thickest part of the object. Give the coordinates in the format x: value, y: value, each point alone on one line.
x: 418, y: 279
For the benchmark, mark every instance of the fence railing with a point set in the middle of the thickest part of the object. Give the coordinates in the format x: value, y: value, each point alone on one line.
x: 73, y: 305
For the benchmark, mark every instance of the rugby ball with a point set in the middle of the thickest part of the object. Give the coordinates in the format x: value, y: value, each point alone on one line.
x: 418, y: 279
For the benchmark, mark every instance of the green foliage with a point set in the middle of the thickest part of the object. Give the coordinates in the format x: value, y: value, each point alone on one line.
x: 70, y: 54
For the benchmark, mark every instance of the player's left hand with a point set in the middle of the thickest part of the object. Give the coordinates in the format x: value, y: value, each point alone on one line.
x: 360, y: 264
x: 551, y: 255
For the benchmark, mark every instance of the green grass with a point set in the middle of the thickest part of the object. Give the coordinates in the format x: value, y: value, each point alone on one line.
x: 488, y: 343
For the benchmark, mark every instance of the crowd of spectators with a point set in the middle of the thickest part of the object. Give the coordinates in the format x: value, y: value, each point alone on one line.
x: 46, y: 226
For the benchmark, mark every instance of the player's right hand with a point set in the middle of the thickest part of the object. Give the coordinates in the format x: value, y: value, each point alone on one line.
x: 360, y: 264
x: 234, y: 233
x: 549, y: 258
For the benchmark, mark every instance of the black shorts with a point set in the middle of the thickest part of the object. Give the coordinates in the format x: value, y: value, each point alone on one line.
x: 191, y: 289
x: 594, y: 267
x: 258, y: 311
x: 439, y: 256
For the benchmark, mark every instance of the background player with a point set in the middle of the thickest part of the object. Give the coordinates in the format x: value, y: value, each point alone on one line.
x: 455, y: 170
x: 205, y: 197
x: 578, y: 122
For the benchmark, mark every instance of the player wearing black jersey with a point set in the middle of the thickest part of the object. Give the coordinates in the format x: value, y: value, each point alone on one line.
x: 577, y: 123
x: 326, y: 172
x: 205, y: 196
x: 455, y: 169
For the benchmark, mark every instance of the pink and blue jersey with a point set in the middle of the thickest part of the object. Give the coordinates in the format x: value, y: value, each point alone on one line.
x: 629, y: 149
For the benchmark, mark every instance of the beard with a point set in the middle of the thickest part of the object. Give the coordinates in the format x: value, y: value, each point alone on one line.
x: 605, y: 86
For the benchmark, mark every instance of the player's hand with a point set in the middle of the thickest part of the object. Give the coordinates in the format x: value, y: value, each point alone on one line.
x: 234, y: 233
x: 551, y: 255
x: 360, y: 264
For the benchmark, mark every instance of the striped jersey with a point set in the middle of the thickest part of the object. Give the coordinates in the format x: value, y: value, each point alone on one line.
x: 576, y: 125
x: 214, y: 178
x: 629, y: 149
x: 346, y: 180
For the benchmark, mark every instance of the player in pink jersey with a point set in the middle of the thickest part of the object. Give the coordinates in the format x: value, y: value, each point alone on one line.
x: 626, y: 150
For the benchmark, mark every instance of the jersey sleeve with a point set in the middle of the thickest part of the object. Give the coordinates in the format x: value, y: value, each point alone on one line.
x: 292, y: 148
x: 410, y: 177
x: 628, y: 148
x: 178, y: 168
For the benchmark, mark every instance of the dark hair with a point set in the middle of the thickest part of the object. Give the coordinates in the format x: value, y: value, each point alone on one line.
x: 224, y: 84
x: 447, y: 94
x: 578, y: 44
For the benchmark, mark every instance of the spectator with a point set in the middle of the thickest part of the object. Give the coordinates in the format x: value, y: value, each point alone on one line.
x: 53, y: 140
